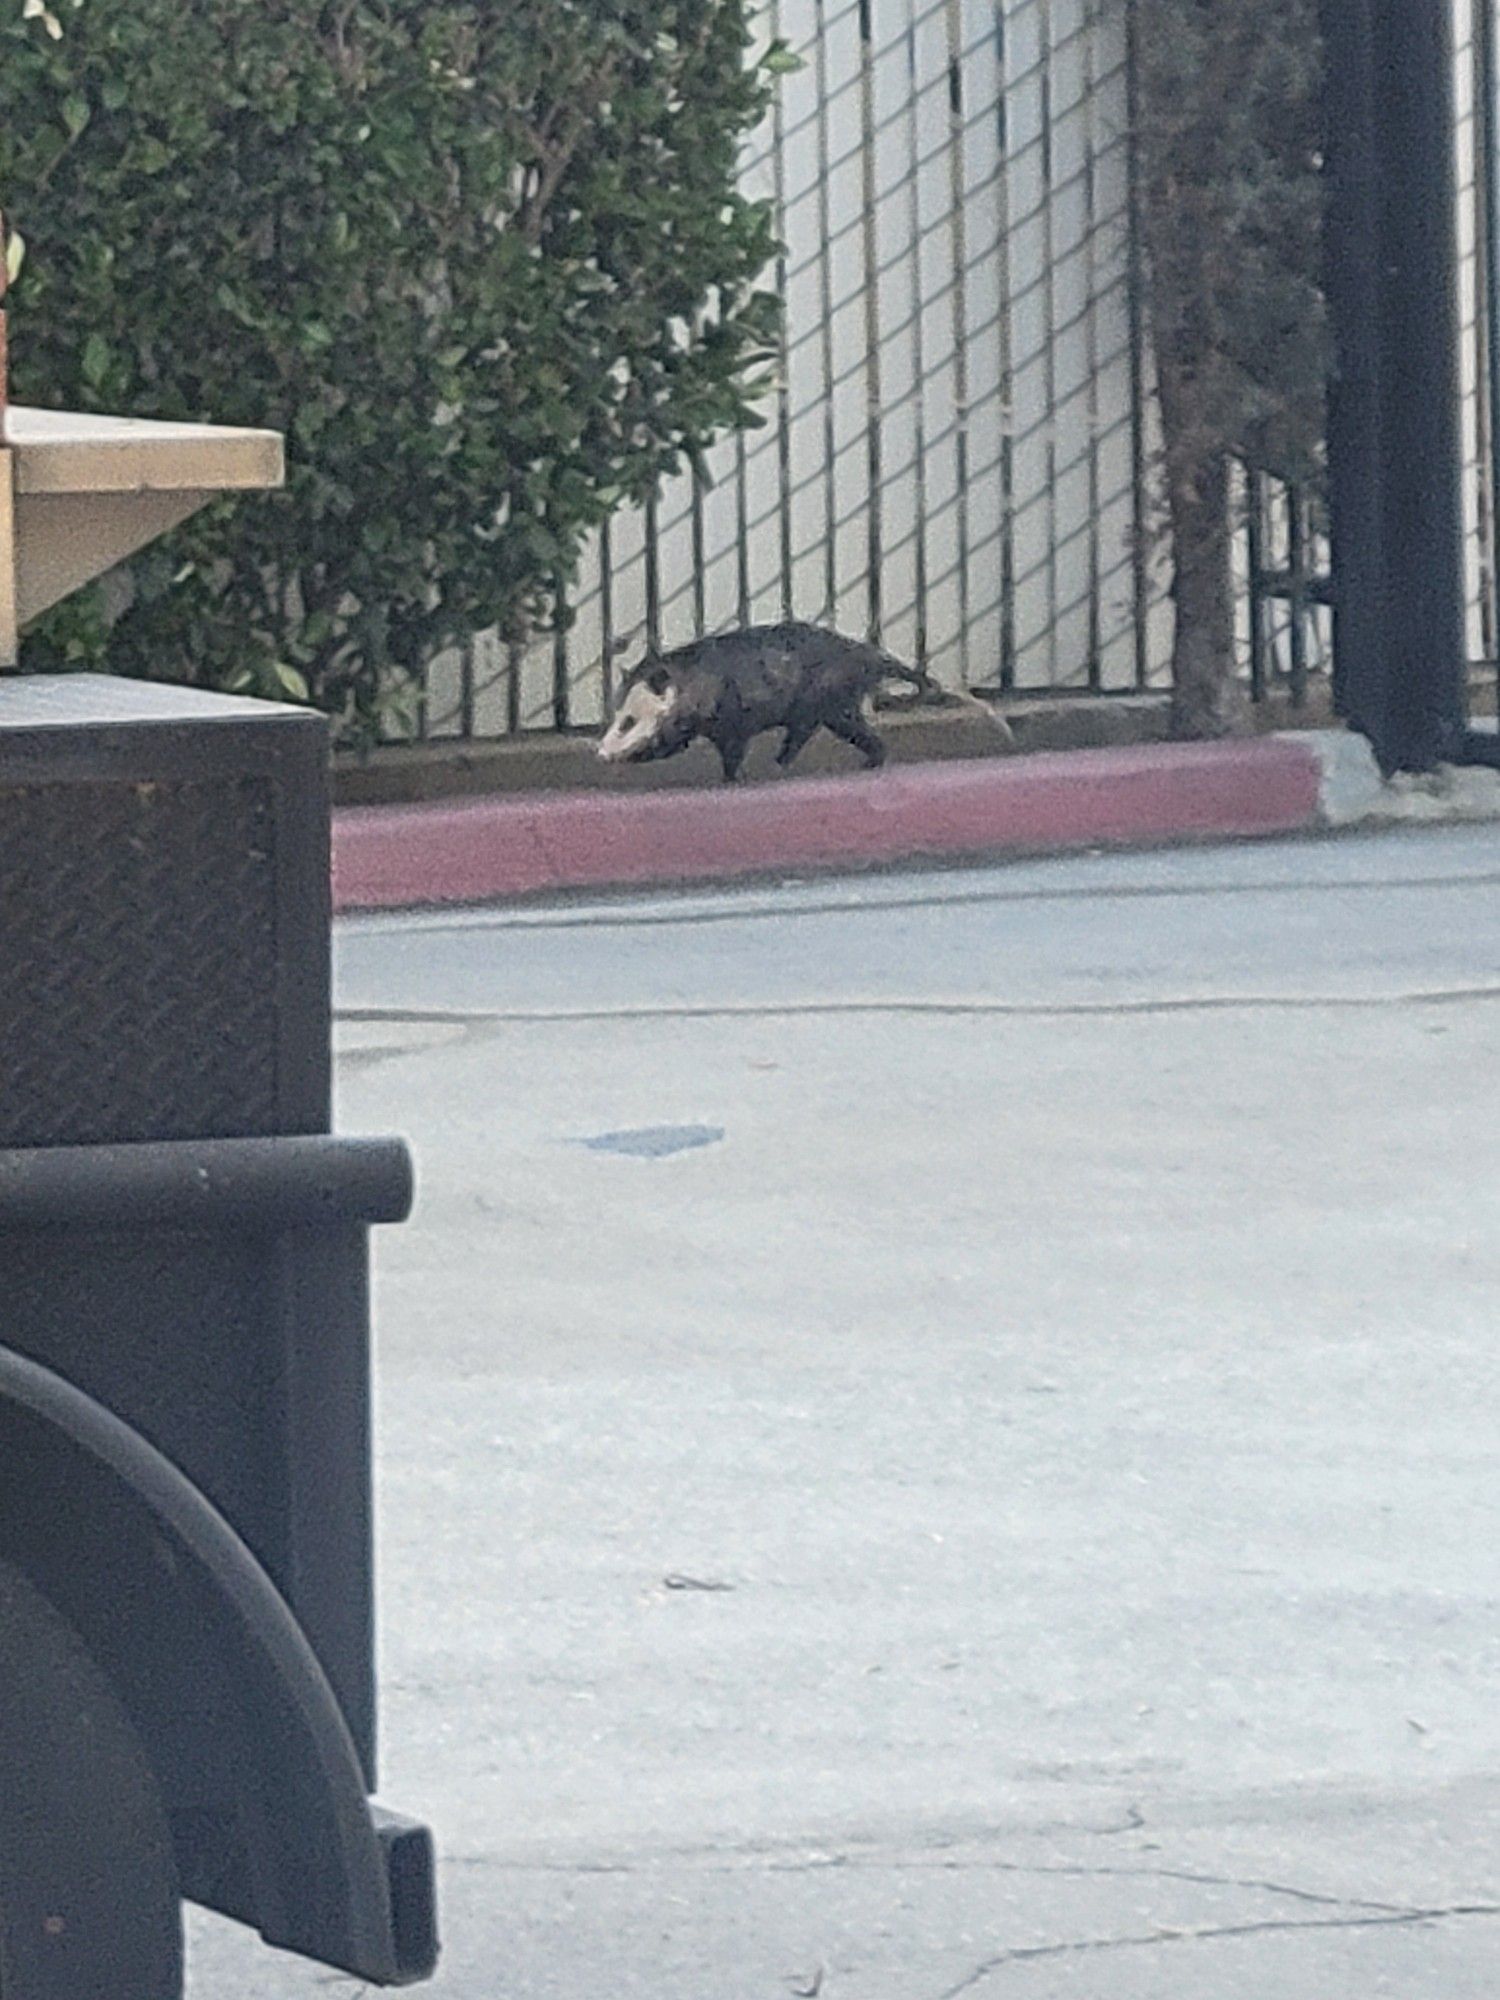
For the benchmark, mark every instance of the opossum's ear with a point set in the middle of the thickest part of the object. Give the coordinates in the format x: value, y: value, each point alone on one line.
x: 658, y: 680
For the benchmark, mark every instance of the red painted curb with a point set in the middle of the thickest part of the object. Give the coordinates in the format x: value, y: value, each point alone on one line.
x: 388, y: 857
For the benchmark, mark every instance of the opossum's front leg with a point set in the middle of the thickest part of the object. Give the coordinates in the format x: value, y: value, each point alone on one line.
x: 798, y: 733
x: 851, y: 726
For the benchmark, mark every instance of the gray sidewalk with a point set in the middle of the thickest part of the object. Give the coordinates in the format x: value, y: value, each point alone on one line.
x: 1053, y: 1311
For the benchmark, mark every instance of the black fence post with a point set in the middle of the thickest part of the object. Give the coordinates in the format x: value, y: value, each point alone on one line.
x: 1487, y: 140
x: 1394, y: 444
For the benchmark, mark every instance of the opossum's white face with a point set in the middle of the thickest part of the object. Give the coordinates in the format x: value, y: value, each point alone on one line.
x: 642, y: 719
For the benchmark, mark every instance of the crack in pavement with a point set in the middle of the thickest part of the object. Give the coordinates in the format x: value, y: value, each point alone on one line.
x: 1347, y: 1912
x: 1046, y: 1010
x: 1023, y: 1954
x: 930, y: 1862
x: 1085, y: 1871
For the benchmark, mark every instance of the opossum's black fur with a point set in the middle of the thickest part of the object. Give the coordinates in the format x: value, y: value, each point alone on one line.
x: 794, y: 677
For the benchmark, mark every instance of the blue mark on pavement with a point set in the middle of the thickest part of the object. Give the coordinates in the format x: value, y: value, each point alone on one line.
x: 655, y: 1142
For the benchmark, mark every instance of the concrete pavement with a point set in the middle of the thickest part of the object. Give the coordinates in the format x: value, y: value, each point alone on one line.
x: 936, y: 1433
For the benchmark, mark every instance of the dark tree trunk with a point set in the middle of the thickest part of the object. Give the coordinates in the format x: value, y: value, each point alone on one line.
x: 1207, y: 697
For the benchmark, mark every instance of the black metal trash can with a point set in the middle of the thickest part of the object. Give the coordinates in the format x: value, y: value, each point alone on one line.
x: 184, y: 1243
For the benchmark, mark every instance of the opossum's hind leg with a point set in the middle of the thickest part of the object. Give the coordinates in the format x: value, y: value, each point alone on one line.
x: 799, y: 732
x: 732, y: 755
x: 850, y: 726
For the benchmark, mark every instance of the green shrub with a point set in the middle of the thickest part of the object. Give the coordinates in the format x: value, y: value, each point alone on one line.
x: 483, y: 261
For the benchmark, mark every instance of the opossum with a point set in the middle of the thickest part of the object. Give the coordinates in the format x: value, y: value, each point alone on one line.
x: 794, y: 677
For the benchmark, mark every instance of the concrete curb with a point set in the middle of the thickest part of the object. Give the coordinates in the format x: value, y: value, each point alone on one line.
x: 390, y: 857
x: 491, y: 850
x: 1352, y: 793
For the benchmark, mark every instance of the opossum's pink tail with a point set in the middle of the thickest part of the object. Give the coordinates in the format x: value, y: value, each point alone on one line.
x: 919, y: 678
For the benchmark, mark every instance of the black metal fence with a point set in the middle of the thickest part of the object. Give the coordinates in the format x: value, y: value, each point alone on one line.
x: 960, y: 460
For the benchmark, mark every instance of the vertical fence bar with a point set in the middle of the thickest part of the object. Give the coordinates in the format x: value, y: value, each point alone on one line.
x: 515, y: 654
x: 742, y: 540
x: 1296, y: 550
x: 784, y: 371
x: 562, y: 693
x: 875, y: 553
x: 466, y: 687
x: 606, y: 621
x: 1488, y: 175
x: 700, y: 598
x: 915, y: 302
x: 1255, y: 539
x: 956, y: 191
x: 653, y: 573
x: 1474, y: 199
x: 1050, y: 331
x: 1095, y: 413
x: 1136, y: 292
x: 1007, y: 369
x: 829, y: 608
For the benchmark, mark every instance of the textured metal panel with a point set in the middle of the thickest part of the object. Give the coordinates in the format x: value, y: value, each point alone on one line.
x: 138, y: 994
x: 110, y: 1312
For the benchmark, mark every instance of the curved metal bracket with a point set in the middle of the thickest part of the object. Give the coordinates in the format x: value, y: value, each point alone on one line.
x: 257, y: 1767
